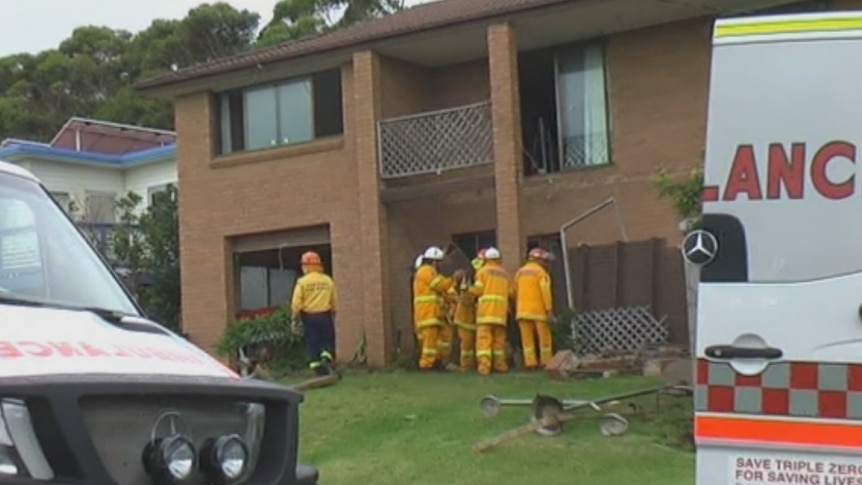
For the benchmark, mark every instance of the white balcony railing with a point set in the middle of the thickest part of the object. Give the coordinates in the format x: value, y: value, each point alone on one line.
x: 435, y: 141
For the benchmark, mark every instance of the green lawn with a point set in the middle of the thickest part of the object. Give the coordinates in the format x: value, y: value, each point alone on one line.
x: 408, y: 428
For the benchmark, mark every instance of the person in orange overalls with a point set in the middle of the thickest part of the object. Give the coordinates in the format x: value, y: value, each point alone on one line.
x: 534, y: 308
x: 464, y: 317
x: 492, y: 289
x: 429, y: 289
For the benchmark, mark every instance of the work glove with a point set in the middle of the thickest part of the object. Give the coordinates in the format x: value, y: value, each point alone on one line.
x: 296, y: 327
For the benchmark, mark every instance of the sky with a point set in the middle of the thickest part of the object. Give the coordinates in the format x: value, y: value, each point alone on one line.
x: 37, y: 25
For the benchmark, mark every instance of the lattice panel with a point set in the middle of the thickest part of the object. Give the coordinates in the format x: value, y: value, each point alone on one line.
x: 585, y: 151
x: 435, y: 142
x: 621, y: 329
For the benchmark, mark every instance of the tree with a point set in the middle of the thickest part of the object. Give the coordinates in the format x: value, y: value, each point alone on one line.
x: 146, y: 250
x: 91, y: 73
x: 295, y: 19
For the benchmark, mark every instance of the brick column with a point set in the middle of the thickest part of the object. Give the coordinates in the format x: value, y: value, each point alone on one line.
x: 508, y: 152
x: 372, y: 242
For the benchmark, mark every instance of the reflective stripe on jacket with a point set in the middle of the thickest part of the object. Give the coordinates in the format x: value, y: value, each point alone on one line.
x: 428, y: 290
x: 533, y: 292
x: 492, y: 288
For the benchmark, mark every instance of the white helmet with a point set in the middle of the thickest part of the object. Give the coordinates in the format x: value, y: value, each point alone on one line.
x: 418, y: 262
x: 434, y: 253
x: 492, y: 253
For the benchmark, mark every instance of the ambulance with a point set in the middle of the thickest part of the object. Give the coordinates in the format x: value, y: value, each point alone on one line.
x: 778, y: 391
x: 93, y: 392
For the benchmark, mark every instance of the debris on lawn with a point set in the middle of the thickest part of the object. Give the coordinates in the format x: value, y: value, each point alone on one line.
x: 317, y: 382
x: 547, y: 414
x: 651, y: 361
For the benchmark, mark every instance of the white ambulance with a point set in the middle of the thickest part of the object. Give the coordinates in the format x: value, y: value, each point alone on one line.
x: 91, y: 391
x: 779, y: 323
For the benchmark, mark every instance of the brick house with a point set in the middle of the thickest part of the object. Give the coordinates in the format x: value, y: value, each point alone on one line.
x: 478, y: 121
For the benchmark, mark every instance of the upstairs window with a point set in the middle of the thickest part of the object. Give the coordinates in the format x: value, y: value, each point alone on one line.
x: 293, y: 111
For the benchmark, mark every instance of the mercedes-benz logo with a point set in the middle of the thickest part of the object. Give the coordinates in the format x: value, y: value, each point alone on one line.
x: 699, y: 247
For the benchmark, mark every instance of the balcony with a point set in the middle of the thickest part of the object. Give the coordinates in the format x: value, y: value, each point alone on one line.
x: 435, y: 142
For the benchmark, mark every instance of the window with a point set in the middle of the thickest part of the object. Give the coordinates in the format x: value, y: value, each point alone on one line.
x: 156, y: 191
x: 471, y: 243
x: 64, y: 200
x: 100, y: 207
x: 293, y: 111
x: 582, y: 107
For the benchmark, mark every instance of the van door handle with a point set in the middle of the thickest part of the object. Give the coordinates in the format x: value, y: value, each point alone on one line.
x: 733, y: 352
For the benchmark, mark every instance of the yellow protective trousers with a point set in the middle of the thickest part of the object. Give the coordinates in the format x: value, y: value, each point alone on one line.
x: 529, y: 329
x: 444, y: 344
x: 491, y: 348
x: 428, y: 340
x: 467, y: 338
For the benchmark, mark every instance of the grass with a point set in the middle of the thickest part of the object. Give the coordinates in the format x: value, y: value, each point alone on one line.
x: 400, y: 427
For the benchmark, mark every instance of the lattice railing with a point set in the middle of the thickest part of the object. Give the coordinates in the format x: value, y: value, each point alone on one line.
x: 435, y: 141
x: 586, y: 151
x: 621, y: 329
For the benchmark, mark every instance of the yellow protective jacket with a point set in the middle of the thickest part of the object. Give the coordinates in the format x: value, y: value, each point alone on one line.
x: 465, y: 307
x: 314, y: 293
x: 428, y: 290
x: 532, y: 285
x: 492, y: 287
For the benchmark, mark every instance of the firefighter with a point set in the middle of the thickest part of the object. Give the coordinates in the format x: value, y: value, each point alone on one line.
x: 429, y: 290
x: 314, y: 305
x: 492, y: 289
x: 464, y: 317
x: 534, y: 308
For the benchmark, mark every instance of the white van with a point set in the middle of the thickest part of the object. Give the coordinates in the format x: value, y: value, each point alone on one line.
x: 779, y: 323
x: 91, y: 391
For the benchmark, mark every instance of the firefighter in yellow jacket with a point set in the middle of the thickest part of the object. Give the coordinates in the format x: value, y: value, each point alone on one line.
x: 429, y: 288
x: 492, y: 289
x: 464, y: 318
x: 534, y: 308
x: 314, y: 304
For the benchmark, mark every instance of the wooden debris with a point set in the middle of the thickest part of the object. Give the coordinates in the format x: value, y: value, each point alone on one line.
x: 317, y: 383
x: 562, y: 365
x: 554, y: 419
x: 655, y: 367
x: 603, y: 373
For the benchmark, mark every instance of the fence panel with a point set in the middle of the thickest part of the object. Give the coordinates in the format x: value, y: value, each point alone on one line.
x: 614, y: 280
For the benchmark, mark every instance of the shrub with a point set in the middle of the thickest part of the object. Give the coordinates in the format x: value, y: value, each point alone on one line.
x: 282, y: 348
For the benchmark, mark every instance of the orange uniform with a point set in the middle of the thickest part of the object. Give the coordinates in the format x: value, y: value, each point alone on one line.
x: 534, y: 309
x: 492, y: 289
x: 428, y: 318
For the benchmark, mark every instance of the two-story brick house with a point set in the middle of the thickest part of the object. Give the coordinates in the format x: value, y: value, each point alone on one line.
x: 483, y: 120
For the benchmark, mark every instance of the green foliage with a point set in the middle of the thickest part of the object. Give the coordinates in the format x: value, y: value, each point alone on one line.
x: 686, y: 194
x: 146, y: 244
x: 91, y: 73
x: 294, y: 19
x: 284, y: 349
x: 270, y: 330
x: 562, y: 331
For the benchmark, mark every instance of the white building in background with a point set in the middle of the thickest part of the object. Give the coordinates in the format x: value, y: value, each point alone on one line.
x: 90, y: 164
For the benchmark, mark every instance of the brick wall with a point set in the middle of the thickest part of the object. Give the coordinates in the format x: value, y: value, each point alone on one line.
x: 657, y: 90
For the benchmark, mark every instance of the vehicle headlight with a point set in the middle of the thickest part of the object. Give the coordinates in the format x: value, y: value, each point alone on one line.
x: 170, y: 460
x: 224, y: 459
x: 20, y: 452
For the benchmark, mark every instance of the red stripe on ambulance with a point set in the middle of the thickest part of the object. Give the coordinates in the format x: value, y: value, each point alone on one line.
x: 786, y: 172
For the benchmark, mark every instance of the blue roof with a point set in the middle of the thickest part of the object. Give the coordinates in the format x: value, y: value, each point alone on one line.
x: 16, y: 151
